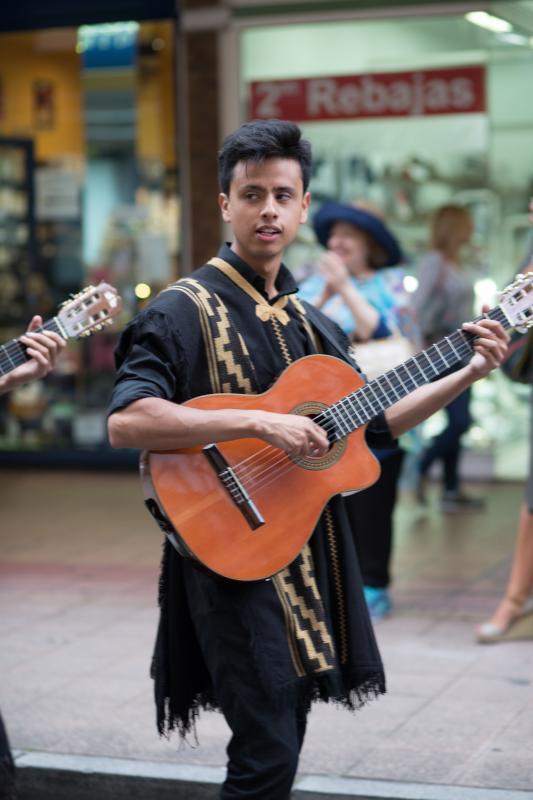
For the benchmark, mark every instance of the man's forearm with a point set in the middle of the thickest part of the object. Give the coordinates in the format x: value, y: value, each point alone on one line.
x: 426, y: 400
x: 155, y: 424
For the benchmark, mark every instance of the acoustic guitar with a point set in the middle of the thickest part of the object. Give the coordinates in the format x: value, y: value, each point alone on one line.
x: 245, y: 509
x: 88, y: 311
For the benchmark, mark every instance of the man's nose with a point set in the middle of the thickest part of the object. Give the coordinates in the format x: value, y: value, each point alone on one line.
x: 269, y: 207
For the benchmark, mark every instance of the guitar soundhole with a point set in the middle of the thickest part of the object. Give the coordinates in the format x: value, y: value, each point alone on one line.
x: 336, y: 449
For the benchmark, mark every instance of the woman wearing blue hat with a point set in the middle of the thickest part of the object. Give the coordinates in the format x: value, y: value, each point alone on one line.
x: 358, y: 286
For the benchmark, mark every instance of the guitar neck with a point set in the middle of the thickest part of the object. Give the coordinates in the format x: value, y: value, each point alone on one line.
x: 13, y: 354
x: 358, y: 408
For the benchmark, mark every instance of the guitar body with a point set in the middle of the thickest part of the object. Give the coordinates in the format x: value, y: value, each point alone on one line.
x: 185, y: 493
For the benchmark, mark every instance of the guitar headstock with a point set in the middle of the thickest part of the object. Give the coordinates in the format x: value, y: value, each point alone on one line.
x: 90, y: 310
x: 516, y: 302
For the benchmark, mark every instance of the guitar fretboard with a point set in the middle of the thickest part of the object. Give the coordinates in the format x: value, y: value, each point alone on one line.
x: 13, y: 354
x: 359, y: 407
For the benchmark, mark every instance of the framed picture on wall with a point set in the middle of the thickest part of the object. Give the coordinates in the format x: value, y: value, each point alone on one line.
x: 43, y: 104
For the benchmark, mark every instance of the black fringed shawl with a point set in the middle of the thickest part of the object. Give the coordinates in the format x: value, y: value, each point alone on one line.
x: 170, y: 351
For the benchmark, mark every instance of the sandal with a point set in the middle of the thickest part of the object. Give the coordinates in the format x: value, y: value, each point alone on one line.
x: 521, y: 627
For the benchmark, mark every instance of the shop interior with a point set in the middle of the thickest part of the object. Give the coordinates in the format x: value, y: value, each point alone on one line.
x: 410, y: 165
x: 88, y: 192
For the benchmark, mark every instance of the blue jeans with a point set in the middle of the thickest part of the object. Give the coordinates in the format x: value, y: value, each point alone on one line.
x: 446, y: 447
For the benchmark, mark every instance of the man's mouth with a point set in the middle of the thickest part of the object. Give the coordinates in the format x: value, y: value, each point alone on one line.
x: 267, y: 232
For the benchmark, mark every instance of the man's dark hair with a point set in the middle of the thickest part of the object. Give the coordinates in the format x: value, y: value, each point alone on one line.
x: 259, y: 140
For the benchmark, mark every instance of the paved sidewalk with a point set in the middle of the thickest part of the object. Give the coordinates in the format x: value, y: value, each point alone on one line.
x: 78, y: 581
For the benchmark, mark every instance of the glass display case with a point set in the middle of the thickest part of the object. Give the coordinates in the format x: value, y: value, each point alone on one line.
x: 88, y: 194
x: 17, y: 230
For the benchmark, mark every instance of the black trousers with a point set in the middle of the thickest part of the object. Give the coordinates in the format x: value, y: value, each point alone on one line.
x: 267, y: 734
x: 446, y: 447
x: 370, y: 513
x: 264, y: 748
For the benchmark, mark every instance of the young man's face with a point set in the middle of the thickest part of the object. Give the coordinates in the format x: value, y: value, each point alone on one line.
x: 265, y: 206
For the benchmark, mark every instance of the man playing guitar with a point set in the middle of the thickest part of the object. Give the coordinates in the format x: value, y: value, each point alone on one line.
x: 260, y: 650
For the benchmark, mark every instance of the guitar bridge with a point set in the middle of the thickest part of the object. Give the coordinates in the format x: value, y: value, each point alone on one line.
x: 234, y: 487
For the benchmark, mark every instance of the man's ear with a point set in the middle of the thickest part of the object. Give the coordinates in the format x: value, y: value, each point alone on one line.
x: 223, y: 202
x: 305, y: 207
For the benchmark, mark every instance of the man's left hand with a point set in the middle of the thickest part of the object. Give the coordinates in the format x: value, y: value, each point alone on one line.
x: 490, y: 347
x: 43, y: 347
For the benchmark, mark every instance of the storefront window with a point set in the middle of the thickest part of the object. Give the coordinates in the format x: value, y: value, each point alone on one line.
x: 410, y: 114
x: 88, y: 193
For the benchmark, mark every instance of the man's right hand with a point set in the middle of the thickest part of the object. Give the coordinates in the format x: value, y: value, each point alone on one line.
x: 297, y: 435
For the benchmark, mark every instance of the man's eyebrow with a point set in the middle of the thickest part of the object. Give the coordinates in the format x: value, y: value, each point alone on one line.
x: 258, y: 188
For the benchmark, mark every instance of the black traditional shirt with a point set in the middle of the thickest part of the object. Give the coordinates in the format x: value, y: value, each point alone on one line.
x: 175, y: 350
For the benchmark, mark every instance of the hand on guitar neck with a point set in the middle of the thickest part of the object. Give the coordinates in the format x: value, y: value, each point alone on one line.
x: 42, y: 348
x: 34, y: 354
x: 489, y: 351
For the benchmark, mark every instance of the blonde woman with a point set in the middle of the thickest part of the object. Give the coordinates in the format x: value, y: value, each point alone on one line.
x: 442, y: 302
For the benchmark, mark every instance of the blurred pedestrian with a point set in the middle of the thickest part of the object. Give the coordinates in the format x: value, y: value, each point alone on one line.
x: 42, y: 349
x: 513, y: 616
x: 359, y: 286
x: 443, y: 300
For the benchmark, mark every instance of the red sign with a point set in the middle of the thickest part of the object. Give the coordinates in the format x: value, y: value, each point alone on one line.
x: 460, y: 90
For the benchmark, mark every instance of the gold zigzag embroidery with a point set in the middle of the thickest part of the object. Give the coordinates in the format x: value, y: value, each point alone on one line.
x: 281, y: 341
x: 308, y: 327
x: 215, y: 345
x: 307, y: 613
x: 337, y: 577
x: 226, y: 356
x: 192, y: 289
x: 290, y: 624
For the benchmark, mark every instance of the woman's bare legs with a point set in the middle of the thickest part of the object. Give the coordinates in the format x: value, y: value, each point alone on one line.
x: 520, y: 581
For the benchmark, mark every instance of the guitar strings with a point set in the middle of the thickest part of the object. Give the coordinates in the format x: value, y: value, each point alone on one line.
x: 278, y: 462
x: 462, y: 349
x: 271, y: 452
x: 15, y: 348
x: 276, y: 455
x: 254, y: 456
x: 281, y: 466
